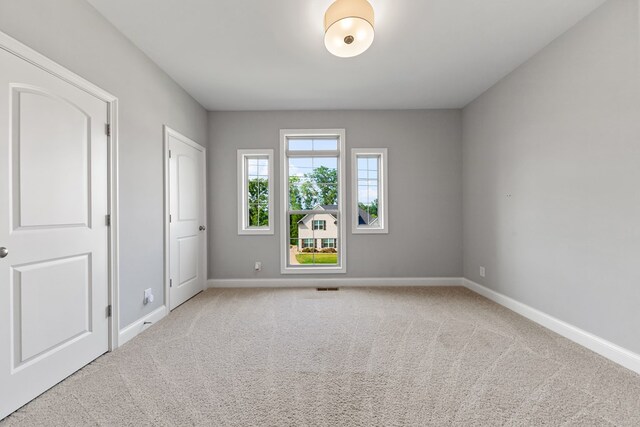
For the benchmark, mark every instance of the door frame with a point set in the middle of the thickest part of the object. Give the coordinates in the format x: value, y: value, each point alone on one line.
x: 167, y: 132
x: 24, y: 52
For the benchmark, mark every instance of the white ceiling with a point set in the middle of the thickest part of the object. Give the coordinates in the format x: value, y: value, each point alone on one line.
x: 270, y: 54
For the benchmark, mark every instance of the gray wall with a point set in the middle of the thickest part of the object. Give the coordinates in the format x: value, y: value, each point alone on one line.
x: 75, y: 35
x: 425, y: 191
x: 552, y: 178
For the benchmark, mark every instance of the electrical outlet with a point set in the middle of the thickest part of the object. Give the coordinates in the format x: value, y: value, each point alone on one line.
x: 258, y: 266
x: 148, y: 296
x: 482, y: 272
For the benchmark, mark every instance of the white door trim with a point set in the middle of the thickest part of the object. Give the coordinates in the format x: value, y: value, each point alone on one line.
x: 167, y: 131
x: 15, y: 47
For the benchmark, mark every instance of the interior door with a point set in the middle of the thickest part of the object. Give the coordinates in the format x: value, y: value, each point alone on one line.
x: 187, y: 231
x: 53, y: 202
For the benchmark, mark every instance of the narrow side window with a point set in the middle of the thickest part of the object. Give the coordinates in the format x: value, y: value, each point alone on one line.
x: 255, y: 192
x: 369, y: 191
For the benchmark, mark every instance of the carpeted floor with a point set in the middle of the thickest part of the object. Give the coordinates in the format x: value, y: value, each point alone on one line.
x: 356, y: 357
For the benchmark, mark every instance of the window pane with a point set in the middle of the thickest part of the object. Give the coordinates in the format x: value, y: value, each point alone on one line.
x: 263, y: 190
x: 325, y: 144
x: 322, y: 144
x: 258, y: 191
x: 300, y: 166
x: 253, y: 187
x: 328, y: 195
x: 368, y: 190
x: 372, y: 163
x: 252, y: 167
x: 263, y: 218
x: 328, y: 162
x: 300, y: 144
x: 258, y: 215
x: 321, y: 169
x: 303, y: 194
x: 313, y: 182
x: 254, y: 216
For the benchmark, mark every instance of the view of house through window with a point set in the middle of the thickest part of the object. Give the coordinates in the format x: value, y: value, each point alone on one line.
x: 313, y: 197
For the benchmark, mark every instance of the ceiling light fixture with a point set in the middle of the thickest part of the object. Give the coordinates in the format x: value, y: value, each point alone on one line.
x: 348, y: 26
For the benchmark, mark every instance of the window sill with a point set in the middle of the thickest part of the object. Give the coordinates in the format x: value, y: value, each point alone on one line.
x: 263, y: 232
x: 313, y: 270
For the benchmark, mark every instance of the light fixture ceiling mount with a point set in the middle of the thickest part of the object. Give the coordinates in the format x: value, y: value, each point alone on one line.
x: 348, y: 26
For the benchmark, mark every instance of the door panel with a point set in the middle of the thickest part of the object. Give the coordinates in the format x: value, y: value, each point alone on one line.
x: 187, y: 241
x: 50, y: 142
x: 53, y: 202
x: 188, y: 174
x: 188, y: 259
x: 40, y: 290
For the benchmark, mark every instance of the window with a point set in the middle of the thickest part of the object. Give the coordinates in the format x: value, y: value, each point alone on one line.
x: 313, y: 164
x: 369, y: 191
x: 328, y: 243
x: 255, y: 192
x: 319, y: 225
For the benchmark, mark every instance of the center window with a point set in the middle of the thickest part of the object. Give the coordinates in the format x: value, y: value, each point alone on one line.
x: 313, y: 201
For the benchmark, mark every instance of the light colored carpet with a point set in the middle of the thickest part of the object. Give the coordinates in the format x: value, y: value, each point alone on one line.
x: 357, y: 357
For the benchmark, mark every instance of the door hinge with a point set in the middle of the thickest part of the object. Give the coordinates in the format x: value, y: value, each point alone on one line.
x: 108, y: 129
x: 169, y: 153
x: 107, y: 220
x: 171, y: 283
x: 169, y: 217
x: 109, y: 310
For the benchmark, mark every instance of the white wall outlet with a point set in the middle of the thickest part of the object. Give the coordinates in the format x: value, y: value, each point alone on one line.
x: 148, y: 296
x: 482, y: 272
x: 258, y: 266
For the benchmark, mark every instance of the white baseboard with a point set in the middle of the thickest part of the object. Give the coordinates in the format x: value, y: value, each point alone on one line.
x: 130, y: 331
x: 611, y: 351
x: 334, y: 282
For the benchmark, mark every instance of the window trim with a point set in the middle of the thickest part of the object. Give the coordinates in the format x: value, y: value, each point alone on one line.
x: 285, y: 134
x: 243, y: 227
x: 383, y: 189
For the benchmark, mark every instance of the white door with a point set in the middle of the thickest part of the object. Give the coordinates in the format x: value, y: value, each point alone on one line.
x: 187, y: 213
x: 53, y: 202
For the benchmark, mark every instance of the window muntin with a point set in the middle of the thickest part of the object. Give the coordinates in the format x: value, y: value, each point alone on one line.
x: 313, y: 197
x: 369, y: 190
x: 255, y: 191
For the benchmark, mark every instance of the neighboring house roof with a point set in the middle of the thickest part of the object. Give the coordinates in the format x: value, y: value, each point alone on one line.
x: 324, y: 208
x: 363, y: 217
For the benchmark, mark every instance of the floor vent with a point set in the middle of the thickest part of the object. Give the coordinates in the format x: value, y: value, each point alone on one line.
x: 327, y: 289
